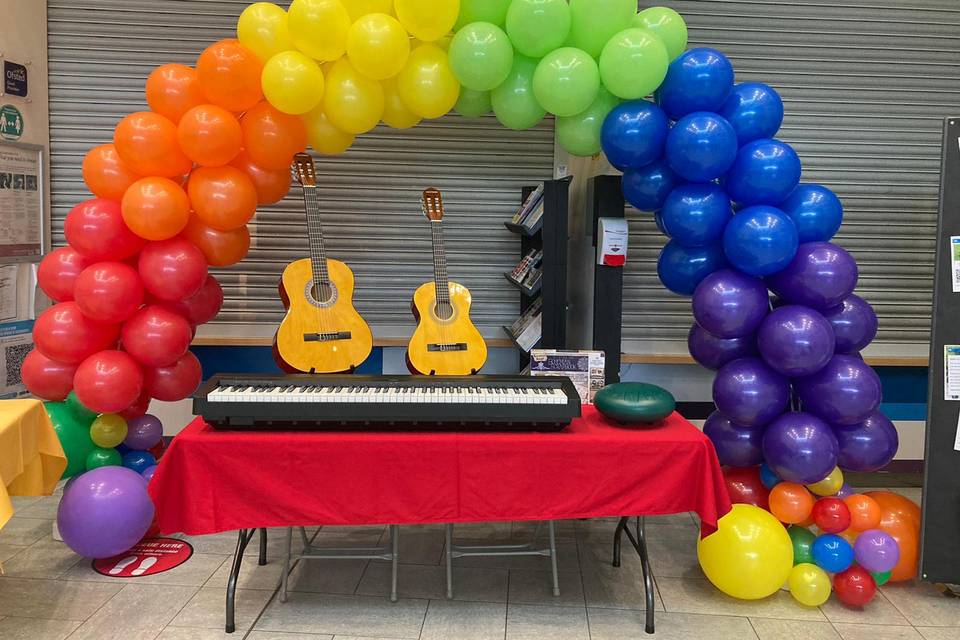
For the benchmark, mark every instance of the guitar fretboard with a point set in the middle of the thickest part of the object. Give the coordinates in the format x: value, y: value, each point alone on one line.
x: 318, y: 256
x: 439, y: 265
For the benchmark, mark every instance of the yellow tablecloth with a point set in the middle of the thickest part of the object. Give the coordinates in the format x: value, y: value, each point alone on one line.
x: 31, y: 458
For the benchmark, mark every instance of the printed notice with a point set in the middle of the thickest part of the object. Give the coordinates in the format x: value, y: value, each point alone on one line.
x: 21, y: 202
x: 951, y: 372
x: 956, y: 440
x: 955, y: 262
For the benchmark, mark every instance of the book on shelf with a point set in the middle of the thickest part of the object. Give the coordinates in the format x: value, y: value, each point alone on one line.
x: 530, y: 334
x: 532, y: 222
x: 584, y: 368
x: 526, y: 317
x: 529, y: 204
x: 533, y: 278
x: 529, y: 261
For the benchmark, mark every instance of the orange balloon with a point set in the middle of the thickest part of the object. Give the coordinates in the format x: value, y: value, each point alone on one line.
x: 155, y: 208
x: 850, y: 535
x: 271, y: 185
x: 864, y: 512
x: 147, y: 143
x: 221, y: 248
x: 172, y: 90
x: 272, y: 137
x: 229, y: 75
x: 900, y: 518
x: 790, y: 502
x: 210, y: 135
x: 222, y: 197
x: 106, y: 175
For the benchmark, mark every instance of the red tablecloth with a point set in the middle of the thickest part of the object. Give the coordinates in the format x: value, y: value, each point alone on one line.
x: 210, y: 481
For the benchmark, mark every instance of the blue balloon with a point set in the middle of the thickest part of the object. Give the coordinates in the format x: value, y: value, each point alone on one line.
x: 832, y: 553
x: 754, y: 110
x: 138, y: 460
x: 815, y: 210
x: 696, y: 213
x: 647, y: 188
x: 682, y: 268
x: 701, y: 146
x: 633, y: 134
x: 764, y: 172
x: 698, y: 80
x: 768, y: 477
x: 658, y: 219
x: 760, y: 240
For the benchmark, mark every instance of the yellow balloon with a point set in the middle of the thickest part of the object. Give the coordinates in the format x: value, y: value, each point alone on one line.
x: 749, y: 556
x: 292, y: 82
x: 324, y: 137
x: 352, y: 101
x: 262, y: 28
x: 377, y: 46
x: 427, y: 20
x: 829, y: 485
x: 809, y: 584
x: 427, y: 84
x: 359, y: 8
x: 108, y: 430
x: 319, y: 27
x: 395, y: 112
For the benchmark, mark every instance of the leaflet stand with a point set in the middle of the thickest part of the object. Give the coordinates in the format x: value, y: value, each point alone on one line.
x: 605, y: 199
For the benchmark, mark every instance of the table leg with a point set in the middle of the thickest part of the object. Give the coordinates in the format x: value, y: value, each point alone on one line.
x: 263, y: 547
x: 640, y: 545
x: 243, y: 538
x: 449, y: 558
x: 553, y: 558
x: 395, y: 560
x: 617, y: 536
x: 288, y: 543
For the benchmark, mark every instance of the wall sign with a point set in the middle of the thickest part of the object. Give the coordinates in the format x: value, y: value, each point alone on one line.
x: 146, y: 558
x: 14, y: 79
x: 21, y: 199
x: 11, y: 122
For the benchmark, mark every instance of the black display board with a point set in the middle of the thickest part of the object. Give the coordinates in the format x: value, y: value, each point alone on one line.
x: 605, y: 200
x: 940, y: 537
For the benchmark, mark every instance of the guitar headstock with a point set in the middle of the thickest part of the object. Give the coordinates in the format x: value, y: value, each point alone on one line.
x: 303, y: 170
x: 432, y: 203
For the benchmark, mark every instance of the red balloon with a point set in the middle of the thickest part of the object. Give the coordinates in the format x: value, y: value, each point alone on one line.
x: 855, y: 586
x: 831, y: 515
x: 158, y: 449
x: 64, y: 334
x: 156, y: 336
x: 172, y: 269
x: 108, y: 381
x: 46, y: 378
x: 108, y: 291
x: 96, y: 229
x: 58, y: 270
x: 138, y: 408
x: 176, y: 381
x: 203, y: 306
x: 745, y: 487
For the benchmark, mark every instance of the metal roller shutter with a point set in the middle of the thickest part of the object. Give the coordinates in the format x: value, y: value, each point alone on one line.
x: 866, y: 86
x: 100, y: 55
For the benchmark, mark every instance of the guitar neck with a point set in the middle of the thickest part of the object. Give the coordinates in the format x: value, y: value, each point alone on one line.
x: 439, y: 263
x: 318, y: 255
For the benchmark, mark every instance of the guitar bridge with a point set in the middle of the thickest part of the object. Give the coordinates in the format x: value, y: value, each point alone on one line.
x: 327, y: 337
x: 452, y: 346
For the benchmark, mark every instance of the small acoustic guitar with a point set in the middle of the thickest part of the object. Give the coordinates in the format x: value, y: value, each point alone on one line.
x: 445, y: 341
x: 322, y: 331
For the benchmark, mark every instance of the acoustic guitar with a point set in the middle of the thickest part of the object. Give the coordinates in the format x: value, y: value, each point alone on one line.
x: 445, y: 341
x: 322, y: 331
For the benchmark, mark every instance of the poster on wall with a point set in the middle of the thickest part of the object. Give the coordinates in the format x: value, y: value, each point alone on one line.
x: 21, y: 202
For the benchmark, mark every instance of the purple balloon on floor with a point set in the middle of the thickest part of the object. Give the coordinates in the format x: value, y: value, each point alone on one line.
x: 765, y: 171
x: 876, y: 551
x: 713, y: 352
x: 795, y: 340
x: 148, y: 472
x: 867, y: 446
x: 800, y: 447
x: 749, y: 392
x: 730, y: 304
x: 737, y: 445
x: 854, y: 323
x: 844, y: 392
x: 821, y: 275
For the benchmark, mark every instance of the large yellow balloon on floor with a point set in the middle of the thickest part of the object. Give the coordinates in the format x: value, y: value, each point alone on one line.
x: 262, y: 28
x: 352, y: 101
x: 427, y: 20
x: 395, y: 113
x: 319, y: 28
x: 750, y: 555
x: 427, y: 84
x: 378, y: 46
x: 292, y: 82
x: 323, y: 136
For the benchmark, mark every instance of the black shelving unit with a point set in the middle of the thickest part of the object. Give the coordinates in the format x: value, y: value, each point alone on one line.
x: 605, y: 200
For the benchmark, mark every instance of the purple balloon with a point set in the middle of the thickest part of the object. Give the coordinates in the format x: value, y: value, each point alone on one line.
x: 867, y: 445
x: 105, y: 512
x: 749, y: 392
x: 795, y: 340
x: 737, y: 445
x: 854, y: 323
x: 845, y: 391
x: 713, y: 352
x: 845, y: 489
x: 800, y: 447
x: 876, y: 551
x: 147, y: 473
x: 821, y: 275
x: 143, y: 432
x: 730, y: 304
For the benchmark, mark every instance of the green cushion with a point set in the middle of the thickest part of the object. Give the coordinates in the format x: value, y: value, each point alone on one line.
x: 634, y: 402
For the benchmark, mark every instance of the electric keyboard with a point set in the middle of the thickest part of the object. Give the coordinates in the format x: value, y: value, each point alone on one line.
x: 414, y: 403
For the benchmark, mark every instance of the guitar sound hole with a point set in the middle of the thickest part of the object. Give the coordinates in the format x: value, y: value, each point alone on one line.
x: 444, y: 310
x: 322, y: 292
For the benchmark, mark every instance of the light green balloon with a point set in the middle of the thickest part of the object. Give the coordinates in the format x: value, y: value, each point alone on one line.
x: 579, y: 135
x: 566, y: 81
x: 513, y: 101
x: 537, y: 27
x: 633, y: 64
x: 668, y: 25
x: 492, y: 11
x: 473, y: 104
x: 74, y: 435
x: 480, y: 56
x: 594, y: 22
x: 102, y: 457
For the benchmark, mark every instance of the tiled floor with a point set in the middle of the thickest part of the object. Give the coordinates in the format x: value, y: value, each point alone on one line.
x: 48, y: 593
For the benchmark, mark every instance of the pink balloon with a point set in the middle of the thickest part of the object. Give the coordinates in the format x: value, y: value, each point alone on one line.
x: 46, y: 378
x: 203, y: 306
x: 108, y: 381
x: 64, y: 334
x: 156, y: 336
x: 172, y: 269
x: 59, y: 270
x: 108, y: 291
x: 96, y: 229
x: 176, y: 381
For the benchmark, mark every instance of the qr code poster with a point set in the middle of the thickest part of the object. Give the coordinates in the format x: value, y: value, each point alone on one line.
x: 16, y: 341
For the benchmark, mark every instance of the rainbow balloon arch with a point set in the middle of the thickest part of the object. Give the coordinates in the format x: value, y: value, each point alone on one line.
x: 796, y: 404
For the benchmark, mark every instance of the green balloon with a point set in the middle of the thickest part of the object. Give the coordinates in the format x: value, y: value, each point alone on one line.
x: 83, y: 414
x: 633, y: 64
x: 881, y: 577
x: 473, y: 104
x: 667, y: 25
x: 492, y: 11
x: 74, y: 437
x: 594, y: 22
x: 513, y: 101
x: 566, y: 81
x: 537, y: 27
x: 101, y: 457
x: 802, y: 540
x: 480, y: 56
x: 580, y: 134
